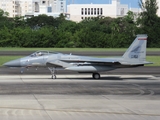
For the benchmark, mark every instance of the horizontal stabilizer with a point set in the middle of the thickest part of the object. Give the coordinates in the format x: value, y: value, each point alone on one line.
x: 136, y: 63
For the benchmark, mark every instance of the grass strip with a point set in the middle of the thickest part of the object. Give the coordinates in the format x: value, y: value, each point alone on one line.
x: 73, y: 49
x: 154, y: 59
x: 4, y: 59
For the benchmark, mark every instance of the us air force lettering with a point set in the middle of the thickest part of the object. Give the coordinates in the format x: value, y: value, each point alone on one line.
x: 135, y: 56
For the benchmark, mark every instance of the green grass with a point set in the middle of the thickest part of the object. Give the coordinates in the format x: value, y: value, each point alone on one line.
x: 4, y: 59
x: 72, y: 49
x: 154, y: 59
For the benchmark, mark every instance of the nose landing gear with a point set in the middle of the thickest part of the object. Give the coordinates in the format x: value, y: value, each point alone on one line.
x: 53, y: 72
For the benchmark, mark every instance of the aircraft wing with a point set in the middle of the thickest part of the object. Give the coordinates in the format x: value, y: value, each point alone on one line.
x: 109, y: 61
x: 70, y: 62
x: 97, y: 61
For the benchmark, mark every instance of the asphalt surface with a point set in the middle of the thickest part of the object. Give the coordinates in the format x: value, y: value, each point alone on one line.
x: 121, y: 94
x: 81, y: 85
x: 44, y: 71
x: 114, y: 97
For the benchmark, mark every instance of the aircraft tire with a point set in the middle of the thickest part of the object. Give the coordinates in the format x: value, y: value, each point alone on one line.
x: 96, y: 75
x: 54, y: 77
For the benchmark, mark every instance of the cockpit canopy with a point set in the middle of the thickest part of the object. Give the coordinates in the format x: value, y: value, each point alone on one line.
x: 42, y: 53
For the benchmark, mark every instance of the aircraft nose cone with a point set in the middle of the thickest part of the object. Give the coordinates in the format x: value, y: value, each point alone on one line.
x: 13, y: 63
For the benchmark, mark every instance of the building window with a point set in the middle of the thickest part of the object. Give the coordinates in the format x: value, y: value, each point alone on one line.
x: 43, y: 2
x: 101, y: 11
x: 94, y: 11
x: 97, y: 11
x: 82, y: 18
x: 85, y: 11
x: 88, y: 11
x: 49, y: 9
x: 122, y: 11
x: 82, y: 12
x: 91, y: 11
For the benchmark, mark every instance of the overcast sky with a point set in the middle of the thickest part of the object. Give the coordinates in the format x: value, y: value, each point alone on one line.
x: 131, y: 3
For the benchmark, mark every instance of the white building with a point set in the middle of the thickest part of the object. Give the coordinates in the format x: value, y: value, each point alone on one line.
x: 16, y: 7
x: 7, y: 6
x: 158, y: 13
x: 79, y: 12
x: 76, y: 12
x: 33, y: 7
x: 49, y: 7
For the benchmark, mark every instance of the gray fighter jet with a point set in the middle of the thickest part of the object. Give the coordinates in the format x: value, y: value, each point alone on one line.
x: 135, y: 56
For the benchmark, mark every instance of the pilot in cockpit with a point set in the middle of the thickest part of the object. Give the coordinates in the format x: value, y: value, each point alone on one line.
x: 36, y: 54
x: 39, y: 54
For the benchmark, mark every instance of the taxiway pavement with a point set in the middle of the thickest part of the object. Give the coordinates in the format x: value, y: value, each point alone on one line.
x: 144, y: 70
x: 77, y: 97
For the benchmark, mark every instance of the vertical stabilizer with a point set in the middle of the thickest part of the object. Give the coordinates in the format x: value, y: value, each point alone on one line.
x: 136, y: 53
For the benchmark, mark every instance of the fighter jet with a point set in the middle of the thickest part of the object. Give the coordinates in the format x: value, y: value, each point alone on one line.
x: 134, y: 56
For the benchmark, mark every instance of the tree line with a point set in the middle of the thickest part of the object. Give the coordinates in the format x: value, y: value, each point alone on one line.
x: 98, y: 32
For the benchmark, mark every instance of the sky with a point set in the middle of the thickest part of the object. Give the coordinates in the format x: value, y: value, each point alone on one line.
x: 131, y: 3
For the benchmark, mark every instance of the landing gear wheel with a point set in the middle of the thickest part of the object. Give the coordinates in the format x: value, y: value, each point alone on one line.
x: 53, y: 72
x: 53, y: 76
x: 96, y: 75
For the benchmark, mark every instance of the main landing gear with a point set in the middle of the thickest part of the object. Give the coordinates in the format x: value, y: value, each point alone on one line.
x: 53, y: 72
x: 96, y: 76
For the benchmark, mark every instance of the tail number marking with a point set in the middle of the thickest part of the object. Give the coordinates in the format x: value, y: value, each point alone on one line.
x: 134, y: 56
